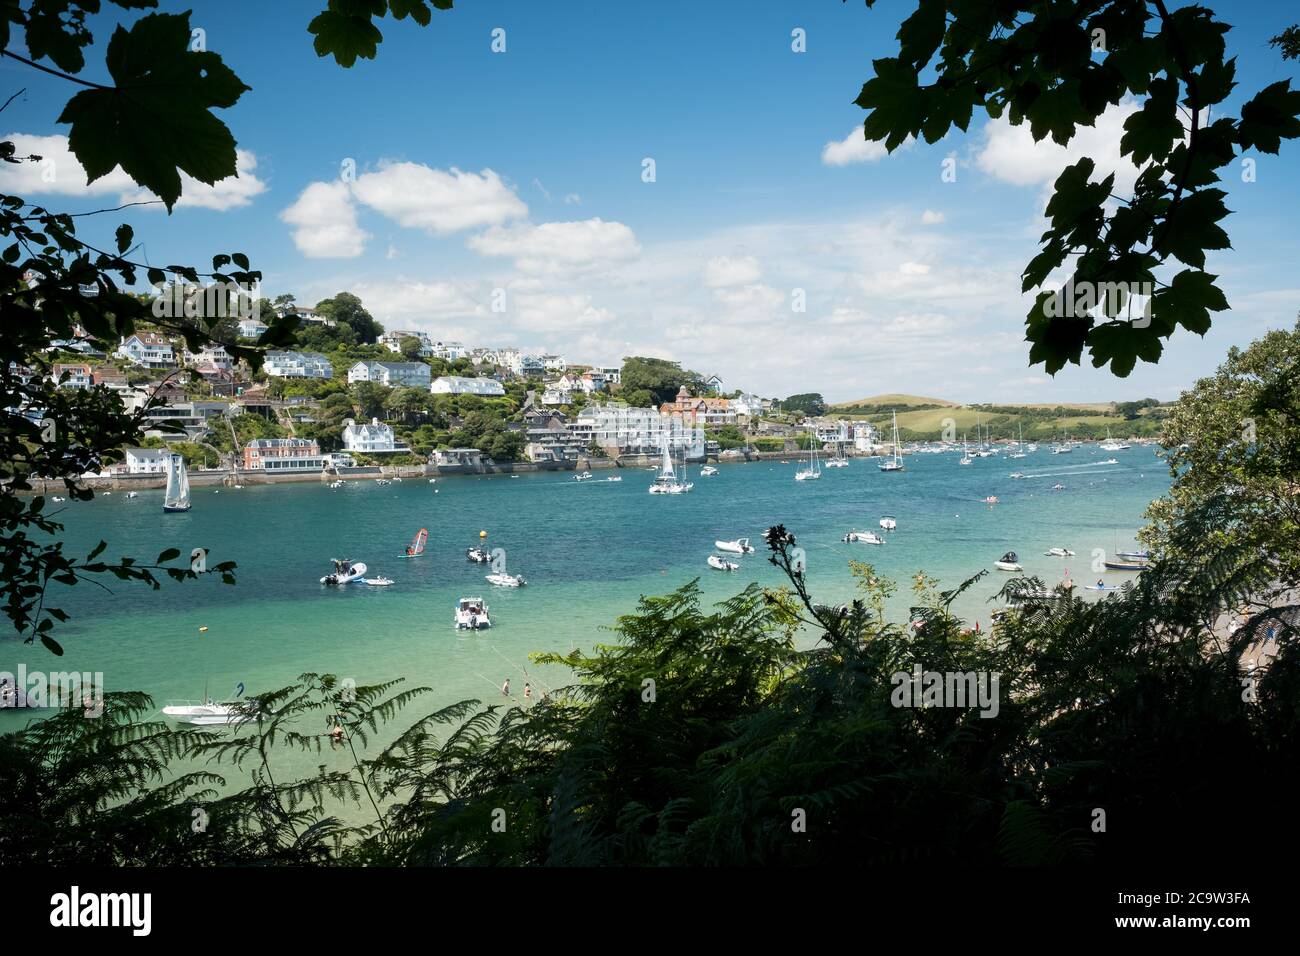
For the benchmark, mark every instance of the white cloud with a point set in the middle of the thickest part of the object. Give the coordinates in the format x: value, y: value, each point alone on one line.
x: 420, y: 197
x: 1010, y: 154
x: 932, y: 218
x: 326, y: 222
x: 59, y: 173
x: 722, y: 271
x: 559, y: 247
x: 854, y: 148
x: 404, y: 299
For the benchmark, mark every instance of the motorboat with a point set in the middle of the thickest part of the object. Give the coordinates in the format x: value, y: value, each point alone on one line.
x: 1101, y: 586
x: 888, y: 522
x: 991, y: 500
x: 1134, y: 555
x: 583, y: 476
x: 896, y: 462
x: 739, y: 546
x: 379, y: 582
x: 1062, y: 450
x: 345, y: 572
x: 177, y: 496
x: 1016, y: 474
x: 133, y: 494
x: 1058, y: 487
x: 610, y: 478
x: 862, y: 537
x: 478, y: 555
x: 1111, y: 461
x: 719, y: 563
x: 1008, y: 562
x: 503, y: 580
x: 1058, y: 553
x: 211, y: 713
x: 708, y: 471
x: 472, y: 614
x: 57, y: 498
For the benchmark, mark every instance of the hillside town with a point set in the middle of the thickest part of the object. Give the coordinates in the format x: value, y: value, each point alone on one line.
x: 355, y: 394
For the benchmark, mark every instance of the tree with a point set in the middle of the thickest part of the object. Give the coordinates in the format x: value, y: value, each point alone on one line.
x: 346, y: 309
x: 411, y: 348
x: 1233, y: 445
x: 661, y: 378
x: 1058, y: 67
x: 808, y: 403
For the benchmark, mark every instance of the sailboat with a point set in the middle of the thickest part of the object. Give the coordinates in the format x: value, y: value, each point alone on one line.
x: 177, y: 496
x: 837, y: 460
x: 1111, y: 444
x: 1020, y: 440
x: 416, y: 547
x: 812, y: 471
x: 965, y: 451
x: 666, y: 482
x: 895, y: 464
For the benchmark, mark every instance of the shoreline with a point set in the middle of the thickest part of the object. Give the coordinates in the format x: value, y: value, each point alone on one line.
x: 224, y: 477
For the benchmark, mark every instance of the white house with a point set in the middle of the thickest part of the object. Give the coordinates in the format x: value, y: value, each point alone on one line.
x: 146, y: 461
x: 213, y: 356
x: 375, y: 438
x: 79, y: 376
x: 460, y: 385
x: 554, y: 363
x: 307, y: 314
x: 148, y: 349
x: 298, y: 365
x: 391, y: 374
x: 393, y: 341
x: 555, y: 395
x: 623, y: 429
x: 613, y: 374
x: 251, y: 328
x: 451, y: 351
x: 714, y: 384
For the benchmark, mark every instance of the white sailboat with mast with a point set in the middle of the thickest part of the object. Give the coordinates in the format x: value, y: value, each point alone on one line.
x: 177, y: 495
x: 811, y: 471
x: 896, y: 463
x: 666, y: 482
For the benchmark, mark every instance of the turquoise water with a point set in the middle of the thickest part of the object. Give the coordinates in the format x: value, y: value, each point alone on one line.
x: 588, y: 550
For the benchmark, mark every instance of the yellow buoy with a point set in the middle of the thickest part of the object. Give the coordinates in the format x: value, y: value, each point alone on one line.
x: 482, y: 534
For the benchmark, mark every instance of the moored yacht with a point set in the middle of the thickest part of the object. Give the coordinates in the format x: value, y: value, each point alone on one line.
x: 739, y: 546
x: 895, y: 463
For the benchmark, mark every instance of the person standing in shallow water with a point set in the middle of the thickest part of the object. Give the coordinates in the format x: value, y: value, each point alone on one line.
x: 505, y: 688
x: 528, y: 691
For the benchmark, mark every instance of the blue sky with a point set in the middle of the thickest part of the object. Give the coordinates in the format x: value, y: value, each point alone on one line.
x: 522, y: 171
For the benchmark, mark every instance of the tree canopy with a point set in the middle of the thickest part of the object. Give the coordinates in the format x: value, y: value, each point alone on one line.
x: 1058, y: 67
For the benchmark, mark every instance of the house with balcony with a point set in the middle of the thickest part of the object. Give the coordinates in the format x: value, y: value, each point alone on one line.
x: 392, y: 374
x: 463, y: 385
x: 622, y: 429
x: 213, y: 356
x: 251, y: 328
x: 556, y: 395
x: 393, y: 341
x: 148, y: 350
x: 284, y: 455
x: 374, y: 438
x: 79, y: 376
x: 297, y: 365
